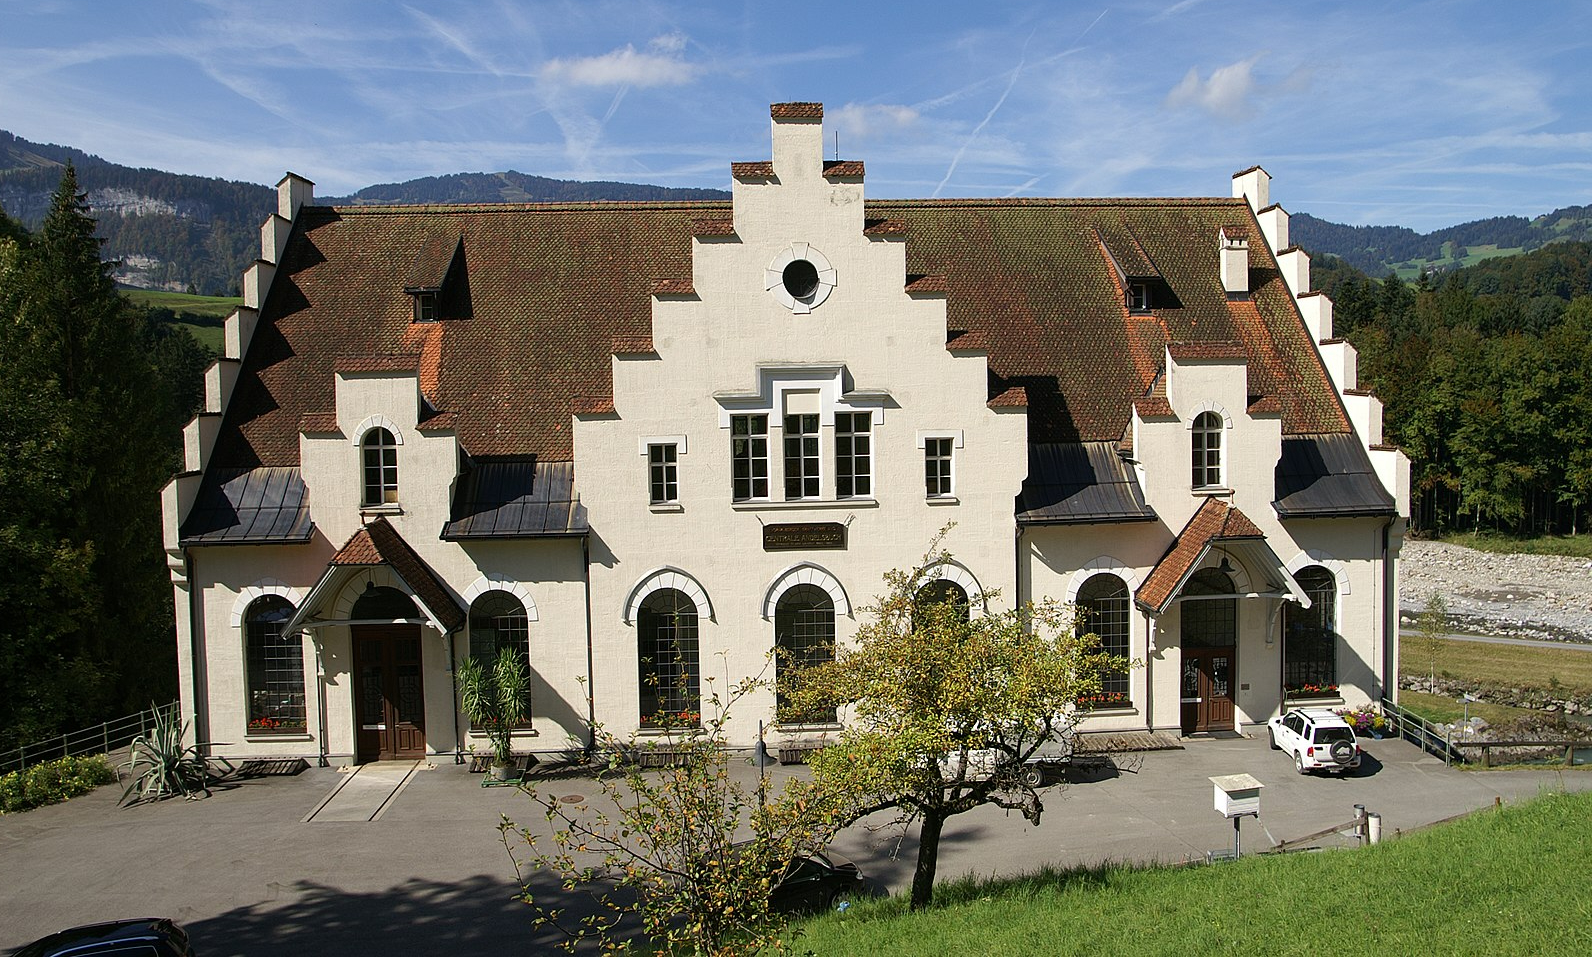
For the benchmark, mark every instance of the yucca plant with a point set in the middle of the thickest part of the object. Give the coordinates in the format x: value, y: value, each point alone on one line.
x: 161, y: 766
x: 494, y: 698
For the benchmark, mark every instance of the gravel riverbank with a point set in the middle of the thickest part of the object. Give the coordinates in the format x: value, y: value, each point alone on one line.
x: 1521, y: 596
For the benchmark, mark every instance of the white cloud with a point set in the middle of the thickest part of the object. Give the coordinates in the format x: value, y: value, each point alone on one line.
x: 626, y: 67
x: 863, y: 120
x: 1226, y: 94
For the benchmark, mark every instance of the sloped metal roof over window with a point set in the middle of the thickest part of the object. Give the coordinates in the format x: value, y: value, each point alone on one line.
x: 516, y: 498
x: 1328, y: 476
x: 261, y: 506
x: 1078, y: 483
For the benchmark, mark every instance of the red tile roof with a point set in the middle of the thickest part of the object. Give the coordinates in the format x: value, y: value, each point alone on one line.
x: 713, y: 227
x: 633, y: 345
x: 796, y: 111
x: 318, y: 422
x: 591, y: 405
x: 1014, y: 398
x: 1194, y: 351
x: 968, y: 342
x: 673, y: 287
x: 843, y: 169
x: 378, y: 543
x: 551, y: 287
x: 1214, y: 521
x: 884, y: 227
x: 760, y: 169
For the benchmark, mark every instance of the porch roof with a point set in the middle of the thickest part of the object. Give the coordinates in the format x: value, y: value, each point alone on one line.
x: 378, y: 543
x: 1214, y: 525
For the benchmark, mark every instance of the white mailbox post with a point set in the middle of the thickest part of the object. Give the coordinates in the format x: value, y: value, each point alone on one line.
x: 1237, y: 797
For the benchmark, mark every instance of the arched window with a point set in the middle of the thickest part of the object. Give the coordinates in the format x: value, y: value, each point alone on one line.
x: 1103, y: 612
x: 1207, y: 441
x: 380, y: 452
x: 666, y: 629
x: 1310, y: 638
x: 940, y: 591
x: 275, y: 668
x: 804, y: 635
x: 497, y: 621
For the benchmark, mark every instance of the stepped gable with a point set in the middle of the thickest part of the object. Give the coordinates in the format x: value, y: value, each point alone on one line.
x: 1030, y: 275
x: 551, y: 287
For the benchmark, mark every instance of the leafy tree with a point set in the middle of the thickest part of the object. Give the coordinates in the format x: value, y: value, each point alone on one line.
x: 689, y: 852
x: 943, y: 709
x: 1432, y: 628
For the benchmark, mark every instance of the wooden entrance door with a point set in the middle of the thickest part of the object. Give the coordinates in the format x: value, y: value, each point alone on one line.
x: 389, y: 693
x: 1207, y: 689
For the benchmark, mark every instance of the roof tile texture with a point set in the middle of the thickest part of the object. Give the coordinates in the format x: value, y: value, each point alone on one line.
x: 796, y: 111
x: 552, y: 287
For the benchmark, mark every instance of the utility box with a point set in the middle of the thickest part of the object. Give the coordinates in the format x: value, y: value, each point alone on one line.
x: 1237, y: 795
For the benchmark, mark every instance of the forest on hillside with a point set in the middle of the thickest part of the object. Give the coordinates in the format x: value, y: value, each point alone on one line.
x: 1486, y: 377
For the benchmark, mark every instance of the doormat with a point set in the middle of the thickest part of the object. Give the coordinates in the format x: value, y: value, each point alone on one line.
x: 270, y: 767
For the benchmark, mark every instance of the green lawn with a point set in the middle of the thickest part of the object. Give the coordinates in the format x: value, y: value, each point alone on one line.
x: 1575, y: 546
x: 1512, y: 666
x: 1499, y: 882
x: 215, y: 307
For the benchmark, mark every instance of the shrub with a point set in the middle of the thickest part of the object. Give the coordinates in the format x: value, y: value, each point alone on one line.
x: 53, y: 782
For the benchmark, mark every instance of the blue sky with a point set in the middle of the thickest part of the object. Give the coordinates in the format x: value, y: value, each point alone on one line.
x: 1416, y: 113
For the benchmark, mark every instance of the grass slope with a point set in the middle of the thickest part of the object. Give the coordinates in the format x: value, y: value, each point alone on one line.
x: 1500, y: 882
x: 215, y: 307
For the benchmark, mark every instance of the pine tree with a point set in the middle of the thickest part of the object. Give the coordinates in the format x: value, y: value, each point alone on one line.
x: 84, y: 450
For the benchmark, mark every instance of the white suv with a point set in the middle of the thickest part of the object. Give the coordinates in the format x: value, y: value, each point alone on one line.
x: 1318, y: 738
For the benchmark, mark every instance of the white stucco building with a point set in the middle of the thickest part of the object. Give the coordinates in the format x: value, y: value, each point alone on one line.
x: 646, y: 443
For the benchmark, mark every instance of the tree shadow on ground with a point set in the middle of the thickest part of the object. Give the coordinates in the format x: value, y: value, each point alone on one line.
x: 476, y: 915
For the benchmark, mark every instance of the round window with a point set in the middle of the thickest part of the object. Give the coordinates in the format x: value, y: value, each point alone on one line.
x: 800, y: 279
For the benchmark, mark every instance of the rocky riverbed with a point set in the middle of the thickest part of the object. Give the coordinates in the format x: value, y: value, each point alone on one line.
x: 1519, y: 596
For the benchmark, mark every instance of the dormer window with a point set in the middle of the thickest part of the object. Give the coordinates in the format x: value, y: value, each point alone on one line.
x: 1139, y: 297
x: 425, y: 307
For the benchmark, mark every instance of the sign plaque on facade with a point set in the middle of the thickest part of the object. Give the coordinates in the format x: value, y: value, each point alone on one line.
x: 802, y: 536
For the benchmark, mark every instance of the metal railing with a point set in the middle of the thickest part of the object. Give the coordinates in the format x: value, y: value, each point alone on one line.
x: 1429, y: 737
x: 1569, y: 752
x: 102, y: 738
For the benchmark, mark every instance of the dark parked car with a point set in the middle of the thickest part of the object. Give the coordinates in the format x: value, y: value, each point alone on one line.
x: 144, y: 937
x: 816, y: 882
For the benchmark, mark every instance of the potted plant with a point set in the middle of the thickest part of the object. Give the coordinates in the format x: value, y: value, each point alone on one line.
x: 494, y: 699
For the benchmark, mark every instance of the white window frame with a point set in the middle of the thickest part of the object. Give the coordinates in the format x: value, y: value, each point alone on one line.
x: 809, y: 455
x: 860, y: 463
x: 752, y: 458
x: 955, y: 440
x: 1199, y: 439
x: 386, y: 493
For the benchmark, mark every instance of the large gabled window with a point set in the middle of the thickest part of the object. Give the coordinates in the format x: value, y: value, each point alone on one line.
x: 667, y: 652
x: 804, y: 635
x: 1103, y: 612
x: 1310, y: 637
x: 498, y: 621
x: 275, y: 668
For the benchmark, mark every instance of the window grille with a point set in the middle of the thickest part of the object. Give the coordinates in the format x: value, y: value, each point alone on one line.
x: 275, y: 669
x: 1207, y: 441
x: 663, y: 477
x: 498, y: 621
x: 749, y: 456
x: 937, y: 467
x: 853, y: 454
x: 1310, y: 638
x: 1103, y: 612
x: 804, y: 634
x: 801, y: 456
x: 666, y: 627
x: 381, y: 467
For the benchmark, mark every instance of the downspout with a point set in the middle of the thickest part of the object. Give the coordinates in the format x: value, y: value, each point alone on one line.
x: 201, y: 713
x: 320, y: 697
x: 591, y: 677
x: 1017, y: 565
x: 453, y: 678
x: 1389, y: 617
x: 1149, y: 673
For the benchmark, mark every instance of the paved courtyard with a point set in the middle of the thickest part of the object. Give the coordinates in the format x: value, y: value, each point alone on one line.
x: 245, y: 873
